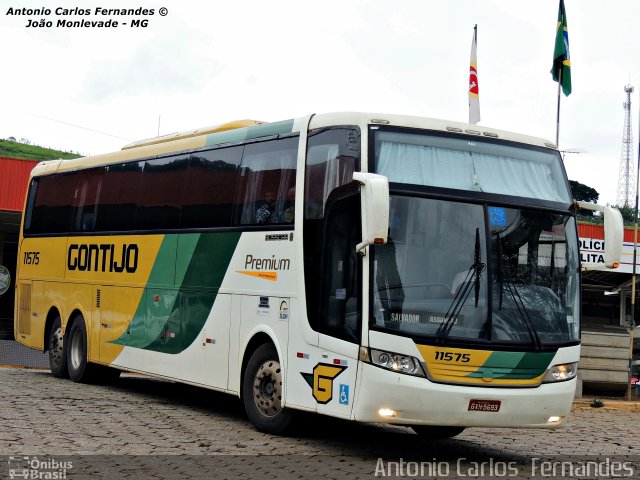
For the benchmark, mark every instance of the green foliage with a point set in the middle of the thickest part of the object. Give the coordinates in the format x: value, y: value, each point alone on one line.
x: 628, y: 214
x: 10, y: 149
x: 584, y: 192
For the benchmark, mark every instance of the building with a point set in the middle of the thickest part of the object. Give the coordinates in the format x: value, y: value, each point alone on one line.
x: 606, y: 314
x: 14, y: 178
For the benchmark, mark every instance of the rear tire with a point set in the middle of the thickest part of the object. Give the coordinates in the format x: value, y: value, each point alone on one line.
x: 262, y: 392
x: 80, y: 370
x: 57, y: 351
x: 435, y: 432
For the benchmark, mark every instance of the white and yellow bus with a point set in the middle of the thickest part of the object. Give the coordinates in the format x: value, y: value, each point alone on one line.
x: 377, y: 268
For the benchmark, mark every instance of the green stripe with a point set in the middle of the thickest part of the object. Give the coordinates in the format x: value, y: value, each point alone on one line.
x: 538, y: 361
x: 248, y: 133
x: 148, y: 320
x: 173, y: 322
x: 514, y: 365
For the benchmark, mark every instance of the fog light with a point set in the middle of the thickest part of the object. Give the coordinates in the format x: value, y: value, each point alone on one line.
x: 387, y: 412
x: 554, y: 420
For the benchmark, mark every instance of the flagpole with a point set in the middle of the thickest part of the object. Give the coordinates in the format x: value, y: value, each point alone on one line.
x: 632, y: 317
x: 558, y: 109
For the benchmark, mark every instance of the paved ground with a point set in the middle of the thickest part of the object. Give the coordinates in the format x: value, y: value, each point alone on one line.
x: 145, y: 428
x: 12, y: 353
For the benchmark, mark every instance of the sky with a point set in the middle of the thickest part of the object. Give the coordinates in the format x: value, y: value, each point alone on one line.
x: 92, y: 90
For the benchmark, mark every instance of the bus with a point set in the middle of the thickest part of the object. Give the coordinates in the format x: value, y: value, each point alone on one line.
x: 371, y: 267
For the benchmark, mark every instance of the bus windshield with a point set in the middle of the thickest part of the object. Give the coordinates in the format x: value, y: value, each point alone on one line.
x: 474, y: 272
x: 438, y: 277
x: 470, y: 164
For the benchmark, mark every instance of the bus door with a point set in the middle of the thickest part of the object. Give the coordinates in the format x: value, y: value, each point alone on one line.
x: 332, y: 268
x: 334, y: 300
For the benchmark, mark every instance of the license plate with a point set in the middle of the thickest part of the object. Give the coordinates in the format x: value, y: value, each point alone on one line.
x: 484, y: 405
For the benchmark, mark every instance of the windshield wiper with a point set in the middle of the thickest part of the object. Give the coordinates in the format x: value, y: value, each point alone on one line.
x: 460, y: 298
x: 513, y: 290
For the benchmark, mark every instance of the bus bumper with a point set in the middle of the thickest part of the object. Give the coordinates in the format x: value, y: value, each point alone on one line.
x: 415, y: 400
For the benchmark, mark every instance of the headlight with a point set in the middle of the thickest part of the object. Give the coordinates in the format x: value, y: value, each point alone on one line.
x: 560, y: 373
x: 396, y: 362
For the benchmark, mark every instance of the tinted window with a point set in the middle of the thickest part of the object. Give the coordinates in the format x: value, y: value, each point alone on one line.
x: 267, y: 183
x: 160, y: 193
x: 332, y: 157
x: 33, y: 216
x: 118, y: 197
x: 211, y: 182
x: 54, y: 202
x: 85, y: 199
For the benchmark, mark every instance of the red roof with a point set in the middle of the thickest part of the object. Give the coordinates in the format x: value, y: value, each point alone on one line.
x: 14, y: 179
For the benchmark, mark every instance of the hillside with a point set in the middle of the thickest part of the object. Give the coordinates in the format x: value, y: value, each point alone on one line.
x: 9, y: 149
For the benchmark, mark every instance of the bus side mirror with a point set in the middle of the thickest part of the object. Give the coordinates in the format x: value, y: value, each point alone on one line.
x: 613, y: 236
x: 375, y: 209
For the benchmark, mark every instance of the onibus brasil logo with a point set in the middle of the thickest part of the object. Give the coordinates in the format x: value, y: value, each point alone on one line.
x: 321, y: 380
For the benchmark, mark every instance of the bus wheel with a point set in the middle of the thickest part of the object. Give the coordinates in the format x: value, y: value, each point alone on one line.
x: 434, y: 432
x: 262, y: 392
x: 80, y: 370
x: 57, y: 353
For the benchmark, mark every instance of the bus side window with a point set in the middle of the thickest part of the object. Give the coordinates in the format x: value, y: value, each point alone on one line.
x: 34, y: 211
x: 267, y: 174
x: 57, y: 194
x: 118, y: 200
x: 211, y: 182
x: 161, y: 193
x: 85, y: 202
x: 340, y: 283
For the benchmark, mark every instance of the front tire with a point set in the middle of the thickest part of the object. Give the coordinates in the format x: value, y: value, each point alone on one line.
x: 57, y: 352
x: 262, y: 392
x: 434, y: 432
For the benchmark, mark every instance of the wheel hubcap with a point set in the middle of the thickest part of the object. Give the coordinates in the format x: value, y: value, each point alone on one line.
x: 76, y: 350
x: 267, y: 388
x: 56, y: 347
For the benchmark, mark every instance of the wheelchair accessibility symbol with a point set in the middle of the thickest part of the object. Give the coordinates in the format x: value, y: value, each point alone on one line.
x: 344, y: 394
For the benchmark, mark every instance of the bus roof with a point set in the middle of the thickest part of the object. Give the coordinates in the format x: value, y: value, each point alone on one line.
x: 240, y: 130
x: 193, y: 133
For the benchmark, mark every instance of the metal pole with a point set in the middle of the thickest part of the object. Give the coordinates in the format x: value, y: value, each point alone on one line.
x: 558, y: 110
x: 632, y: 321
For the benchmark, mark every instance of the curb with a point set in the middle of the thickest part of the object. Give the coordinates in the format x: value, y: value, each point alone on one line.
x: 633, y: 406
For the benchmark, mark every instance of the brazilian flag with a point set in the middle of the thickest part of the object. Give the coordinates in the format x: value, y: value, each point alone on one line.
x: 561, y: 70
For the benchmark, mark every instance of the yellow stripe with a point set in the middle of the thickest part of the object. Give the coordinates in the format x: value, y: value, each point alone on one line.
x: 453, y: 365
x: 273, y: 276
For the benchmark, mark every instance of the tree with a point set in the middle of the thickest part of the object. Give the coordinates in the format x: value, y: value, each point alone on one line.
x: 628, y: 213
x: 583, y: 192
